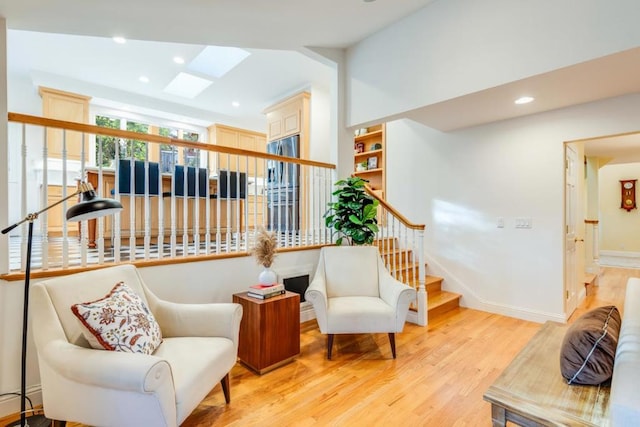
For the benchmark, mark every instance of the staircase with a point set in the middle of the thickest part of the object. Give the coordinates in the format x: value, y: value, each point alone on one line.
x: 400, y: 264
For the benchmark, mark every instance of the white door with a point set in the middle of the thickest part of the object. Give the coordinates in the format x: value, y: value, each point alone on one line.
x: 571, y: 278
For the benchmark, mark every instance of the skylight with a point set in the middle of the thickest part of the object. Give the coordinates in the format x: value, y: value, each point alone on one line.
x: 216, y: 61
x: 187, y: 85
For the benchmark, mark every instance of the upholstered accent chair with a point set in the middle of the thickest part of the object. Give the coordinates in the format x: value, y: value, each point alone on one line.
x: 352, y: 292
x: 114, y: 388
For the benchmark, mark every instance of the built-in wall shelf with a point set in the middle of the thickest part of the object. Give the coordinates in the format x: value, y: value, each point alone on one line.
x: 368, y: 172
x: 369, y: 154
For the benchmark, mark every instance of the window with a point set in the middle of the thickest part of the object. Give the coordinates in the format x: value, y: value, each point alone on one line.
x: 166, y: 154
x: 106, y: 145
x: 191, y: 155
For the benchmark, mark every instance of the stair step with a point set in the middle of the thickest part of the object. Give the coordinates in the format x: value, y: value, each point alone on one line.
x: 590, y: 280
x: 441, y: 301
x: 431, y: 283
x: 396, y: 255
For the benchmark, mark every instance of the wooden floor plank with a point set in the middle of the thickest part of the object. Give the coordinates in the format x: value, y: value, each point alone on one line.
x: 438, y: 379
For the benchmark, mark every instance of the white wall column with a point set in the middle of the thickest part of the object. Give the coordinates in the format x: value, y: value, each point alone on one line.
x: 341, y: 144
x: 591, y: 242
x: 4, y: 150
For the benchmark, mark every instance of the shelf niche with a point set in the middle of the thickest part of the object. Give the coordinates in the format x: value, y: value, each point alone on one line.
x: 369, y: 147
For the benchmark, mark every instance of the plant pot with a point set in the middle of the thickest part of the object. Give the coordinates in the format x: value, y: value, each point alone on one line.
x: 267, y: 277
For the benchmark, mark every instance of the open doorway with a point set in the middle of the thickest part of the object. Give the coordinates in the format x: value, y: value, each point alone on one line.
x: 606, y: 225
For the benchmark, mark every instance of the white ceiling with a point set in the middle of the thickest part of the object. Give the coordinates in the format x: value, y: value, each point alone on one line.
x: 110, y: 72
x: 72, y: 50
x: 615, y: 149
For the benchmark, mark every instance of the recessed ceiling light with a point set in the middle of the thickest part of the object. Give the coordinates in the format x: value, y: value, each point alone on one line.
x: 178, y: 60
x: 144, y: 79
x: 236, y: 104
x: 524, y: 100
x: 119, y: 40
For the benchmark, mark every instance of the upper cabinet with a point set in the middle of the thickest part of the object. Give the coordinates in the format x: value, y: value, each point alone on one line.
x: 228, y: 136
x: 290, y: 117
x: 369, y: 157
x: 67, y: 106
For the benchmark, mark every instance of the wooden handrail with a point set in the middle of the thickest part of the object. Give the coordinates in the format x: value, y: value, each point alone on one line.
x: 394, y: 212
x: 156, y: 139
x: 55, y: 272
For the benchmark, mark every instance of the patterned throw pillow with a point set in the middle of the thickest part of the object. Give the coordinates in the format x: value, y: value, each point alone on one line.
x: 120, y: 321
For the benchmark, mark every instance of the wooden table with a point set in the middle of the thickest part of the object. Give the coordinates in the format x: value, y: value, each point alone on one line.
x: 269, y: 331
x: 532, y: 392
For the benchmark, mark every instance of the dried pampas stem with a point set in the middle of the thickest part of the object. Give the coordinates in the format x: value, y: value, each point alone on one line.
x: 265, y: 247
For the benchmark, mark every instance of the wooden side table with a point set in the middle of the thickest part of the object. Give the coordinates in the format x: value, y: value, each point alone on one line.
x: 269, y: 331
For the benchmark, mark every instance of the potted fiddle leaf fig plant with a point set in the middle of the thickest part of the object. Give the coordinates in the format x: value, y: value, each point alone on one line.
x: 353, y: 213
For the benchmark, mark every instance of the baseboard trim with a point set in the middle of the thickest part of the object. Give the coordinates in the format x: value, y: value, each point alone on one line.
x: 10, y: 405
x: 306, y: 312
x: 472, y: 300
x: 412, y: 317
x: 619, y: 259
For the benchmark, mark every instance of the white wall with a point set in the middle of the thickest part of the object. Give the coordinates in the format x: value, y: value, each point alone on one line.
x: 456, y: 47
x: 320, y: 127
x: 619, y: 229
x: 202, y: 282
x: 459, y: 183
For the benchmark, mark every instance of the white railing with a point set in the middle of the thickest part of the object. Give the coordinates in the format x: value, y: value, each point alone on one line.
x: 209, y: 207
x: 402, y: 245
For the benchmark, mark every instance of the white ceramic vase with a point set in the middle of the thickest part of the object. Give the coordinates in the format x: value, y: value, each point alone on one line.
x: 267, y: 277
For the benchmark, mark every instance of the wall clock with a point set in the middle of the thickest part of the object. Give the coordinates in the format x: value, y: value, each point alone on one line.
x: 628, y: 196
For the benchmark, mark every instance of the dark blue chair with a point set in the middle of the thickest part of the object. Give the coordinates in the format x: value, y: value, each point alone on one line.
x: 178, y: 182
x: 228, y: 185
x: 124, y: 178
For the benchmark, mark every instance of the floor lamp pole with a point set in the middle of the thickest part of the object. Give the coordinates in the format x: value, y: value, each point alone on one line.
x: 90, y: 207
x: 34, y: 420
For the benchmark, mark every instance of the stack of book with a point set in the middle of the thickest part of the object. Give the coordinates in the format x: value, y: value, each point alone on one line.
x: 266, y: 291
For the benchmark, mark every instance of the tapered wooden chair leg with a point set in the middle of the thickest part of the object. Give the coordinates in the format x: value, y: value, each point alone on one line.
x: 225, y: 388
x: 392, y: 341
x: 329, y: 345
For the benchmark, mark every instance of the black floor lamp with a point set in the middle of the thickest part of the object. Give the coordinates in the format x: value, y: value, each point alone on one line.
x: 90, y: 207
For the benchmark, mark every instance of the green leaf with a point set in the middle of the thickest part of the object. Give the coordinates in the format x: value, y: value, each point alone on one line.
x: 354, y: 219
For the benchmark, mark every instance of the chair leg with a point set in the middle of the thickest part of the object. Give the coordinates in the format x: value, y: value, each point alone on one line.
x: 225, y: 388
x: 329, y: 345
x: 392, y: 341
x: 58, y: 423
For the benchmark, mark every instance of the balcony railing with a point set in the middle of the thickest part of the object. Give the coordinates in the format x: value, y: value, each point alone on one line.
x: 200, y: 206
x: 208, y: 207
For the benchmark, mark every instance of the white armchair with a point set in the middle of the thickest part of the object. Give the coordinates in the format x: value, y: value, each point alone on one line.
x: 352, y: 292
x: 109, y: 388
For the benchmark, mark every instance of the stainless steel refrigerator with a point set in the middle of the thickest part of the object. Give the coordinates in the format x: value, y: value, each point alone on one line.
x: 283, y: 186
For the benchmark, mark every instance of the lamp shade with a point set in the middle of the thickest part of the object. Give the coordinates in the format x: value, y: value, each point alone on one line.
x: 92, y: 206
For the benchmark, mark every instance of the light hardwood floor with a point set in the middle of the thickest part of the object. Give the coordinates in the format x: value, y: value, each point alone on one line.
x: 438, y: 378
